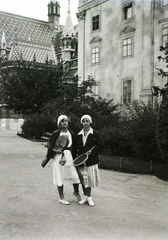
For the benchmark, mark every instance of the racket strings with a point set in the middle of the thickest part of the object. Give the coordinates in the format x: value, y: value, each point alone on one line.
x: 79, y: 160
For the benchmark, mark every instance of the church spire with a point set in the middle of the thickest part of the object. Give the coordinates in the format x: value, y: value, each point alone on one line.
x: 68, y: 6
x: 68, y: 28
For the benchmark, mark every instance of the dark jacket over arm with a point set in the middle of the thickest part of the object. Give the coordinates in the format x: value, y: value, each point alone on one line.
x: 53, y: 138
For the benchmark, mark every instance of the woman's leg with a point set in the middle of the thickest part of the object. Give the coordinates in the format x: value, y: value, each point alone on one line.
x: 61, y: 191
x: 61, y: 195
x: 84, y: 199
x: 84, y: 190
x: 88, y: 192
x: 76, y: 191
x: 89, y: 198
x: 76, y: 187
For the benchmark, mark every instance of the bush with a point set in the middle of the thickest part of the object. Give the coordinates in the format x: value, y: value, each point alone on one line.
x: 162, y: 128
x: 101, y: 110
x: 141, y: 131
x: 32, y: 127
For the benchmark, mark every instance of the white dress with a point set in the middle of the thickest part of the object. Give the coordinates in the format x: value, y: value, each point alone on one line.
x: 67, y: 173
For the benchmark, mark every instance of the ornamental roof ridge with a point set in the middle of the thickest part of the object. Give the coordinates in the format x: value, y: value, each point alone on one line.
x: 21, y: 41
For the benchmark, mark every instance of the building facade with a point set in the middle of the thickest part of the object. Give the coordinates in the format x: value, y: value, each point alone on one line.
x: 119, y: 44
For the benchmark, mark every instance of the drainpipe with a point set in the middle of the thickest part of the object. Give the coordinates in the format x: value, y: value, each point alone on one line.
x: 84, y: 47
x: 152, y: 46
x: 81, y: 17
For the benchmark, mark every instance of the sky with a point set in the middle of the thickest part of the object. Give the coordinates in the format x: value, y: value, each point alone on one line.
x: 38, y: 9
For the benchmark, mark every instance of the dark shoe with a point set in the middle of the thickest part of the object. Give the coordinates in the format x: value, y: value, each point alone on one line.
x: 77, y: 196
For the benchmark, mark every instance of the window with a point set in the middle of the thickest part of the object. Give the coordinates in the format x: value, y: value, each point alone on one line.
x: 128, y: 11
x: 165, y: 35
x: 95, y: 55
x: 95, y: 88
x: 95, y: 23
x: 127, y: 91
x: 165, y: 2
x: 127, y: 47
x: 165, y: 80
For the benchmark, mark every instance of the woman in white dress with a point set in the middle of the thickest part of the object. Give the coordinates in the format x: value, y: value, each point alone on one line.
x: 60, y: 147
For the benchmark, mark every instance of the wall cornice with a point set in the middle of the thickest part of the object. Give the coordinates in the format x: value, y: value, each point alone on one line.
x: 91, y: 4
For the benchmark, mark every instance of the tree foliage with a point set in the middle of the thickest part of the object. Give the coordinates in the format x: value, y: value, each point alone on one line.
x: 75, y: 100
x: 162, y: 120
x: 140, y: 130
x: 29, y: 85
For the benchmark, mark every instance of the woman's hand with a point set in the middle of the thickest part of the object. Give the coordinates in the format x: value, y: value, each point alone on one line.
x: 89, y: 152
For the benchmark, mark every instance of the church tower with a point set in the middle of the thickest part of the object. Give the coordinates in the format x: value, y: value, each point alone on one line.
x: 54, y: 13
x: 68, y: 38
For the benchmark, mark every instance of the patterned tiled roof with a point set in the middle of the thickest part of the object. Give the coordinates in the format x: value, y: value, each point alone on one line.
x: 30, y: 51
x: 27, y: 36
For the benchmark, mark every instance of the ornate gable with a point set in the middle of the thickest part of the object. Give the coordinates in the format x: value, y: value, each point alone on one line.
x: 95, y: 39
x: 127, y: 29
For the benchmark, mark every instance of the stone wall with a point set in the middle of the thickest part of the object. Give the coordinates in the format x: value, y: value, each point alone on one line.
x: 11, y: 124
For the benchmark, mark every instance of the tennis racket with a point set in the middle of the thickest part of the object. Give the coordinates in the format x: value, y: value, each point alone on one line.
x: 82, y: 158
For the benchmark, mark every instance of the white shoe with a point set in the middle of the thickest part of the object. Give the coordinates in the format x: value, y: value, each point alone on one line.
x: 90, y: 201
x: 84, y: 200
x: 63, y: 201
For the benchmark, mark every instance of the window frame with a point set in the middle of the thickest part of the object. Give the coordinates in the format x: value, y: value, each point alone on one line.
x: 95, y: 23
x: 124, y: 37
x: 131, y: 90
x: 97, y: 13
x: 126, y: 6
x: 126, y: 9
x: 96, y: 89
x: 94, y: 47
x: 163, y: 28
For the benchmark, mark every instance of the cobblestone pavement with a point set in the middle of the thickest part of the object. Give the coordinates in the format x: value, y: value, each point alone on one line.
x: 127, y: 206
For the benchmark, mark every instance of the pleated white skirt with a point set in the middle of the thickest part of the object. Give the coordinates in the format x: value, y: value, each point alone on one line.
x: 90, y: 175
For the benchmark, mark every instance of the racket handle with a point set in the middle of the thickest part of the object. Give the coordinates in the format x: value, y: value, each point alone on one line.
x: 44, y: 162
x: 90, y: 151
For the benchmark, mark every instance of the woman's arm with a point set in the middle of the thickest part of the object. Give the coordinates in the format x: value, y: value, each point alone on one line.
x: 98, y: 144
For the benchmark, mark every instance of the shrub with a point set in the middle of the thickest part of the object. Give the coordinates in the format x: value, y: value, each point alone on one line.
x: 32, y: 127
x: 141, y: 131
x: 115, y: 141
x: 162, y: 128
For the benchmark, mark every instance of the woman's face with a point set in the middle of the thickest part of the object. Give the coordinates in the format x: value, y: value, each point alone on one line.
x: 86, y: 123
x: 64, y: 123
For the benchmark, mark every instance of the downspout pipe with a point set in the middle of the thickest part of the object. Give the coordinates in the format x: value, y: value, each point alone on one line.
x: 152, y: 46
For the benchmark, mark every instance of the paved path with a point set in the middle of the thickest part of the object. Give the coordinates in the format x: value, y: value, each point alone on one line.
x: 127, y: 206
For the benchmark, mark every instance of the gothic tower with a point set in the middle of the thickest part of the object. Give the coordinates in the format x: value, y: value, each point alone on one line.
x: 68, y: 37
x: 54, y: 13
